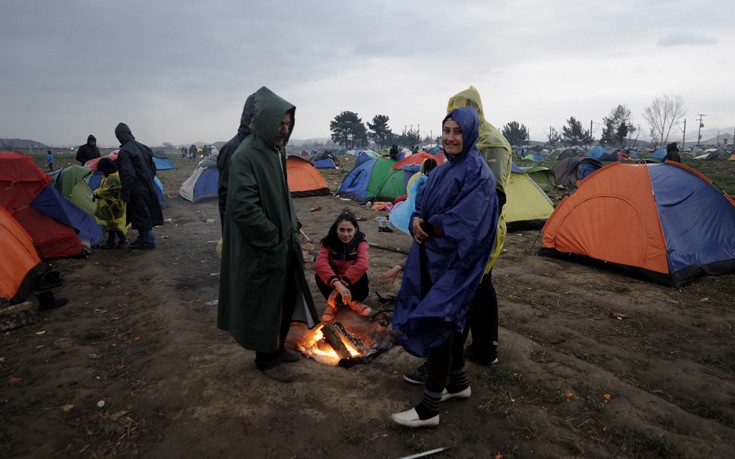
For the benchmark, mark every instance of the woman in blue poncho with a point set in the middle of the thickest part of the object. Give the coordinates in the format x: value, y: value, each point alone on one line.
x: 454, y: 229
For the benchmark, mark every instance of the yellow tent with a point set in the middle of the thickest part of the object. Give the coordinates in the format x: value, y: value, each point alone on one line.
x: 527, y: 205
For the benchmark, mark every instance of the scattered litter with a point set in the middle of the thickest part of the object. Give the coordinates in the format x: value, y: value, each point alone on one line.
x: 673, y: 301
x: 214, y: 274
x: 15, y: 379
x: 607, y: 397
x: 569, y: 395
x: 619, y: 315
x: 315, y: 209
x: 101, y: 404
x: 704, y: 299
x: 210, y: 221
x: 164, y: 237
x: 67, y: 408
x: 344, y: 199
x: 209, y: 304
x: 136, y: 339
x: 42, y: 332
x: 361, y: 219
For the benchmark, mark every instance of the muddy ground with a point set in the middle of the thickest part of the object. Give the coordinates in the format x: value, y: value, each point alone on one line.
x: 592, y: 363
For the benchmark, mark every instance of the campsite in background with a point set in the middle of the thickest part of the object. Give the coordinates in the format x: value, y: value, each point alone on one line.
x: 598, y: 358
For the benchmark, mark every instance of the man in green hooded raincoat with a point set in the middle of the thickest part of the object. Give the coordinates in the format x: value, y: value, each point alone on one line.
x: 262, y: 284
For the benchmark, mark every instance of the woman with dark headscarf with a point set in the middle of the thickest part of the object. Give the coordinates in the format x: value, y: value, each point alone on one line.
x: 454, y: 228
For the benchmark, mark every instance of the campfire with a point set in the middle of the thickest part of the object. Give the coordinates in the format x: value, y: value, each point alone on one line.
x: 333, y: 344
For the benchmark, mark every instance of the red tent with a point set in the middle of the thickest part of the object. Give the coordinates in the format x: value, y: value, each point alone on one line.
x: 20, y: 182
x: 417, y: 159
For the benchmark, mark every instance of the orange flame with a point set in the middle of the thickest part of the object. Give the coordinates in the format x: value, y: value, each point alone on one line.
x: 316, y: 347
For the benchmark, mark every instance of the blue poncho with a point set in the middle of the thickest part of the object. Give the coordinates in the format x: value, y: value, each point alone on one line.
x: 442, y: 274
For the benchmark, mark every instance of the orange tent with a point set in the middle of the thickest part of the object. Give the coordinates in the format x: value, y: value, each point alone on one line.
x: 663, y: 221
x: 19, y: 256
x: 304, y: 179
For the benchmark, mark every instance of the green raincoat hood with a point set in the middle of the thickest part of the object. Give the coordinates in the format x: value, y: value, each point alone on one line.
x: 269, y: 110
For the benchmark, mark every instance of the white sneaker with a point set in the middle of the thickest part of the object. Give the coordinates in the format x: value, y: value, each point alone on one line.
x: 410, y: 418
x: 463, y: 394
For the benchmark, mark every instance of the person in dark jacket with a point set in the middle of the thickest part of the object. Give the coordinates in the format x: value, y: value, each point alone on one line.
x: 672, y: 152
x: 263, y: 285
x: 137, y: 171
x: 88, y: 151
x: 223, y: 159
x: 454, y: 229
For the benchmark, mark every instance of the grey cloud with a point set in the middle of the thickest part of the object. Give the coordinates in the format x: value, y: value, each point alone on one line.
x: 685, y: 38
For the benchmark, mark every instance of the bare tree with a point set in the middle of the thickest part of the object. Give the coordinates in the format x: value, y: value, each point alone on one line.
x: 661, y: 116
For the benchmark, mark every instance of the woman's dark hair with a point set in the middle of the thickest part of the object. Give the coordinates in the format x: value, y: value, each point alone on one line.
x: 428, y: 165
x: 332, y: 239
x: 106, y: 166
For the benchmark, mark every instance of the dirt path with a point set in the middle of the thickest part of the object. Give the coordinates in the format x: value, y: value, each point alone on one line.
x: 593, y: 363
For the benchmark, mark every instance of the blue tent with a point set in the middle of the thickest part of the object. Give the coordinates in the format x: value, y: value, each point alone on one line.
x: 163, y: 163
x: 596, y: 152
x: 51, y: 202
x: 202, y: 184
x: 324, y: 163
x: 659, y: 154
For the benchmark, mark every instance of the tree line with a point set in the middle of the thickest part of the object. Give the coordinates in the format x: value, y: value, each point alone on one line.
x: 664, y: 112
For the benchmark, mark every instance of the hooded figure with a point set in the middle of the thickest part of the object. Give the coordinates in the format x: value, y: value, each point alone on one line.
x: 137, y: 171
x: 223, y: 160
x: 262, y: 283
x: 672, y: 152
x: 88, y: 151
x: 460, y: 205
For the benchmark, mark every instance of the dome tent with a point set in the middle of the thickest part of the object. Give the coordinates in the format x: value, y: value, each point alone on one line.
x: 664, y: 221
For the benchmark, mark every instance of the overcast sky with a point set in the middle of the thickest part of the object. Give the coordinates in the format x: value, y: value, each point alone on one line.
x: 180, y: 72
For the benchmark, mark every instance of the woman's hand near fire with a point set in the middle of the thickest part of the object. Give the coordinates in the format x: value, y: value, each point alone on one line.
x: 391, y: 274
x: 343, y: 291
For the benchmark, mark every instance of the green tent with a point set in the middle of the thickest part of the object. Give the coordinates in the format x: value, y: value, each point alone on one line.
x: 72, y: 182
x: 543, y: 176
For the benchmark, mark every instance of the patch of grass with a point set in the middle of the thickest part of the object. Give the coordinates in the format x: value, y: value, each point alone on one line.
x: 92, y: 335
x: 527, y: 431
x: 500, y: 404
x: 541, y: 357
x: 575, y: 446
x: 638, y: 444
x: 497, y: 378
x: 353, y: 437
x: 712, y: 413
x: 415, y: 443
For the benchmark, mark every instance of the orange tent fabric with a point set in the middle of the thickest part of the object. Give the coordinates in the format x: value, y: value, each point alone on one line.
x: 18, y: 257
x: 632, y: 233
x: 304, y: 179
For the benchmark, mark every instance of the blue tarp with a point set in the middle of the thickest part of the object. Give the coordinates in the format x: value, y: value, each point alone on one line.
x: 51, y: 202
x: 596, y: 152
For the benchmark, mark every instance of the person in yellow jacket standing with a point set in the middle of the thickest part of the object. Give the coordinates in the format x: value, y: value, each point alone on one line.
x: 110, y: 207
x: 483, y: 315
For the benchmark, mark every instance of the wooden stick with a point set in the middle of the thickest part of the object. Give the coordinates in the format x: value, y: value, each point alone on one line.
x: 385, y: 247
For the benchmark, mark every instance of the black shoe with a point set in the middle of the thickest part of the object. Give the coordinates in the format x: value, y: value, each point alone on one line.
x: 490, y: 358
x: 419, y: 375
x: 140, y: 245
x: 47, y: 300
x: 109, y: 244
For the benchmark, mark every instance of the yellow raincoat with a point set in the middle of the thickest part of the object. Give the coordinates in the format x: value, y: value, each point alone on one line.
x: 110, y: 207
x: 496, y: 150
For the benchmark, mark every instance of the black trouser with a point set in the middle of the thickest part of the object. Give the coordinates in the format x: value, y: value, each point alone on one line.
x: 359, y: 289
x: 483, y: 318
x: 265, y: 360
x: 443, y: 359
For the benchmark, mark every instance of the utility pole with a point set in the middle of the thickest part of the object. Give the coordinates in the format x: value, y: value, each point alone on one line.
x: 684, y: 139
x: 699, y: 132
